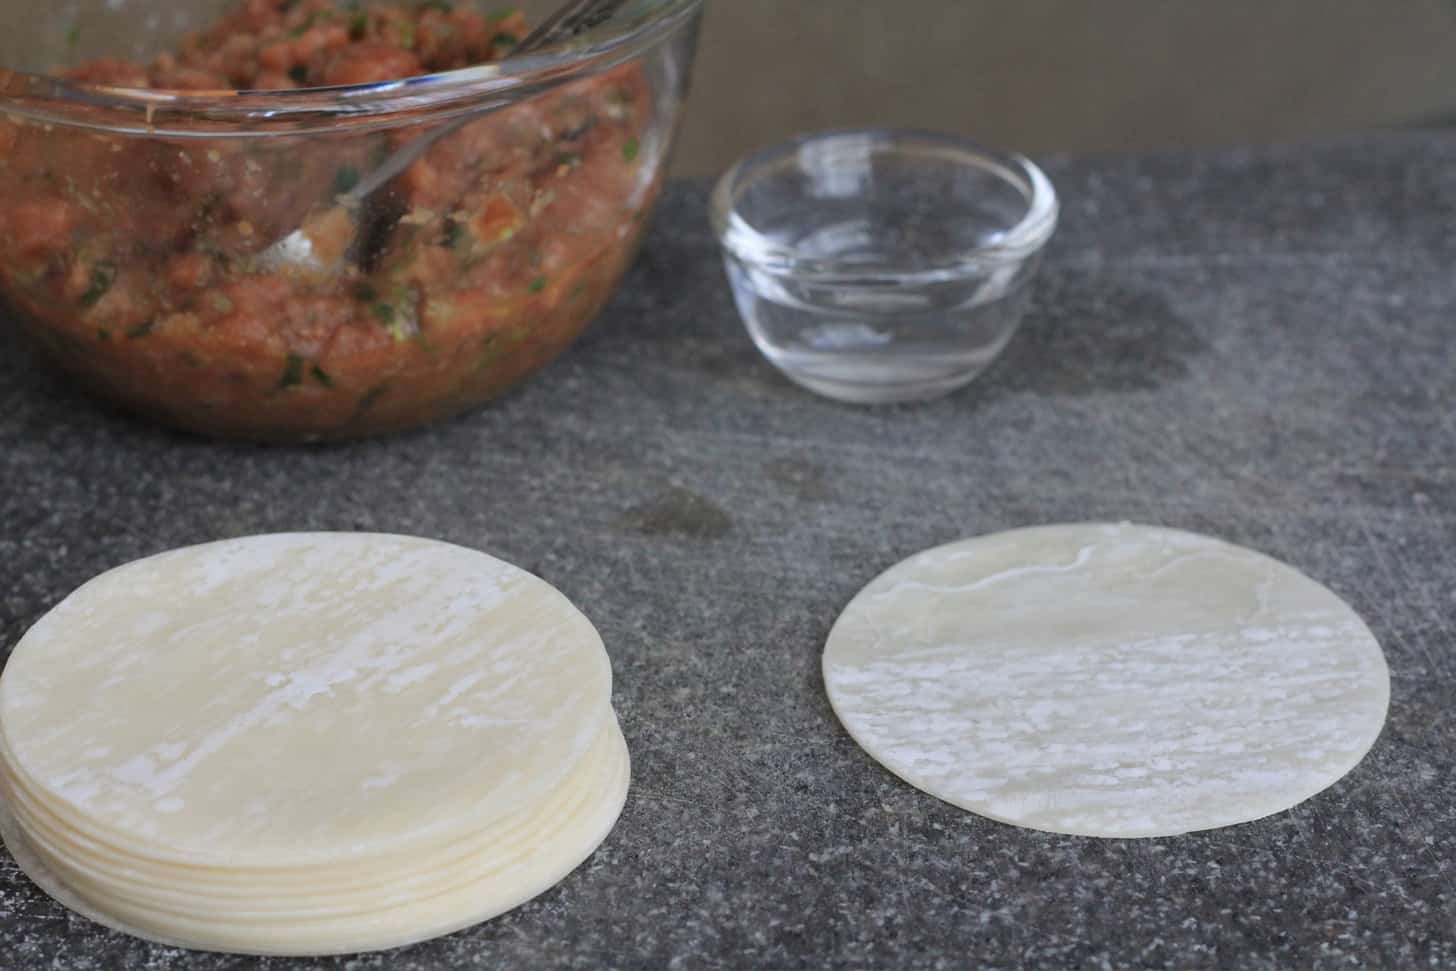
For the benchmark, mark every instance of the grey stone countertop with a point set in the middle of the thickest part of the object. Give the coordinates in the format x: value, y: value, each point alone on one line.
x: 1254, y: 344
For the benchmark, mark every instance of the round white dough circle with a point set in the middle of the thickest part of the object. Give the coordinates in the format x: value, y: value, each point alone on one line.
x: 1107, y: 679
x: 303, y: 697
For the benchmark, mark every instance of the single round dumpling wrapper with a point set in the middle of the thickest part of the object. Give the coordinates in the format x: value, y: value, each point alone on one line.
x: 1107, y: 680
x: 300, y: 698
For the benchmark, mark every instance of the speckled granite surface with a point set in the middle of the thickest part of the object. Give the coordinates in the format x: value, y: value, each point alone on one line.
x: 1257, y: 345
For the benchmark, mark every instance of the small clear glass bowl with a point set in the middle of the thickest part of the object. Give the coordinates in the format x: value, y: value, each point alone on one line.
x: 881, y: 266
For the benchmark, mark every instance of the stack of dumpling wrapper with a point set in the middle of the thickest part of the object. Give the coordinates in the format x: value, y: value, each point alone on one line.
x: 308, y: 744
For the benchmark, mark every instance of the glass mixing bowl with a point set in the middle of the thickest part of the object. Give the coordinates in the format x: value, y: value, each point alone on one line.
x: 136, y: 224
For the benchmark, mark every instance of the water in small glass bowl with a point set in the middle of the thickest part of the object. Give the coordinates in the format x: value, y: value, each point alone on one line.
x: 882, y: 266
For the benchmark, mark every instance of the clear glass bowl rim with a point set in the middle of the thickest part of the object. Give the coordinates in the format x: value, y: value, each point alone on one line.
x: 104, y: 108
x: 1019, y: 242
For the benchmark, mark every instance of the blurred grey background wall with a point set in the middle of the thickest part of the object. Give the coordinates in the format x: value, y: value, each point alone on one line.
x: 1068, y: 75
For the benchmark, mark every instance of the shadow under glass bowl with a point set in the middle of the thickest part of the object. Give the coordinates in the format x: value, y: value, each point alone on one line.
x: 882, y: 266
x: 133, y: 220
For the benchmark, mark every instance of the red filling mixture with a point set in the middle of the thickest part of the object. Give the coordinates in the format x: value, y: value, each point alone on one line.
x: 138, y: 262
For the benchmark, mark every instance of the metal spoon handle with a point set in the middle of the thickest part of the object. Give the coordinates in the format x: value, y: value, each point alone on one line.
x: 571, y: 19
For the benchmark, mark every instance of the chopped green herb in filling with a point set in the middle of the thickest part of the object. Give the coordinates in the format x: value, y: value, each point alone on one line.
x: 345, y: 180
x: 292, y: 372
x: 103, y: 275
